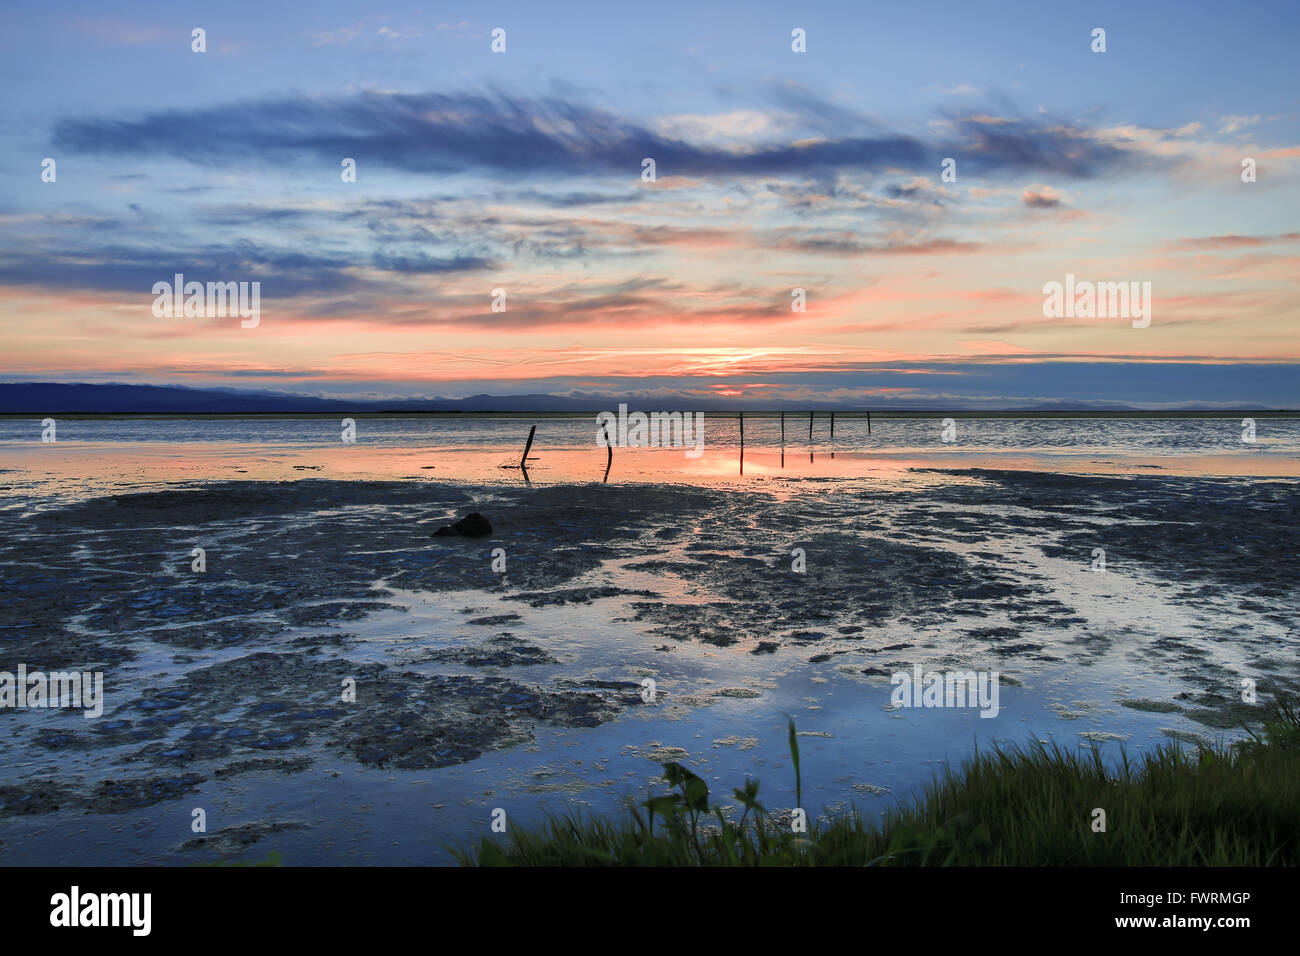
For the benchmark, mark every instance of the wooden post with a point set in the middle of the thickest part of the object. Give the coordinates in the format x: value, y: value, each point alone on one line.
x: 783, y: 428
x: 868, y: 423
x: 810, y: 417
x: 610, y: 462
x: 523, y: 462
x: 742, y: 442
x: 832, y: 424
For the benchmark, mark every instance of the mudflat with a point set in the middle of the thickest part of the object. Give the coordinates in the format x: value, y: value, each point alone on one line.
x: 332, y: 637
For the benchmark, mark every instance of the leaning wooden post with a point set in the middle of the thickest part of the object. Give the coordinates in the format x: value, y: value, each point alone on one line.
x: 523, y: 462
x: 810, y: 417
x: 742, y: 442
x: 868, y: 423
x: 610, y: 447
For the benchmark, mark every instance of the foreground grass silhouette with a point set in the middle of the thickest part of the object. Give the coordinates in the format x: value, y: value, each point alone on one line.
x: 1220, y: 806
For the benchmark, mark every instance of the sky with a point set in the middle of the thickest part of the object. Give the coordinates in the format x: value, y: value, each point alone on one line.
x: 774, y: 171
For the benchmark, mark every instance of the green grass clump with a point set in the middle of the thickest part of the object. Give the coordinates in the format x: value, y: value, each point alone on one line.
x: 1034, y: 806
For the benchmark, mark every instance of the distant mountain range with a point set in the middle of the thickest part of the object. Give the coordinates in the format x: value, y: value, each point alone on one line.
x: 52, y: 398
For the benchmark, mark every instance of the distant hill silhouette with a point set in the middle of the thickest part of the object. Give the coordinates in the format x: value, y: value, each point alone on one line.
x: 53, y: 398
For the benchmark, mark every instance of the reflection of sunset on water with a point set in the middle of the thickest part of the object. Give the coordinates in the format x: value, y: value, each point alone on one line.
x: 78, y: 468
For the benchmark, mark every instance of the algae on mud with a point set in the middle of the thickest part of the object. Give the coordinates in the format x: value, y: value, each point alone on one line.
x: 235, y: 673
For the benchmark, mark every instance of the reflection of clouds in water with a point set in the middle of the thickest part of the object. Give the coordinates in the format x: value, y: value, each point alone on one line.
x: 103, y: 457
x: 1155, y: 436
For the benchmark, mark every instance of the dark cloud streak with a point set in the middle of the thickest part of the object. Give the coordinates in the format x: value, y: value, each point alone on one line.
x: 454, y: 133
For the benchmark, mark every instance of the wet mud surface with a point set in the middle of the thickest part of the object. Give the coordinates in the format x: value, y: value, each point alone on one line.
x: 261, y: 663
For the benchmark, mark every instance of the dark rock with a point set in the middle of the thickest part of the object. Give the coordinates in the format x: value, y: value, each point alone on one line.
x: 473, y: 525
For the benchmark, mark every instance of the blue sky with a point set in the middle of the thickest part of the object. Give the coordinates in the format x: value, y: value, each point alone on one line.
x: 776, y: 170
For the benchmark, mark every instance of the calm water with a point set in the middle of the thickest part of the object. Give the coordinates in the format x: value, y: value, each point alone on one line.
x: 102, y: 457
x: 1152, y: 437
